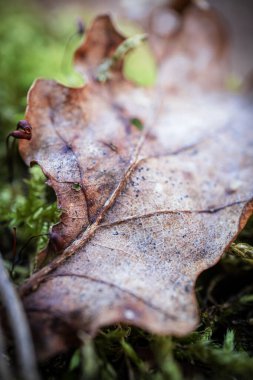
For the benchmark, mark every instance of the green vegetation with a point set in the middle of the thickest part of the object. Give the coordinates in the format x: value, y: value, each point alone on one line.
x: 32, y: 45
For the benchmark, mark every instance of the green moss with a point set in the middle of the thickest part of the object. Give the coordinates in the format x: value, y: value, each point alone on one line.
x: 32, y: 45
x: 28, y: 209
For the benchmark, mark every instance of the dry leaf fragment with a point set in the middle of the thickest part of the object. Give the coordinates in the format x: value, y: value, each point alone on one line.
x: 154, y: 206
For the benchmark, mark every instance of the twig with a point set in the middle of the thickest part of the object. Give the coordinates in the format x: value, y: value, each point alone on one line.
x: 14, y: 250
x: 19, y: 255
x: 10, y: 149
x: 24, y: 132
x: 18, y: 324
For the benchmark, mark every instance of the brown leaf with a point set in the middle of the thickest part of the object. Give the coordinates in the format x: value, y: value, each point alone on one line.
x: 154, y: 206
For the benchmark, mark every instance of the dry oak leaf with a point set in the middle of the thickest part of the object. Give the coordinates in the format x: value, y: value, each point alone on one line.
x: 153, y: 208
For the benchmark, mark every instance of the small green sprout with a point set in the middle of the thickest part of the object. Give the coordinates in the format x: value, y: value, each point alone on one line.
x: 103, y: 72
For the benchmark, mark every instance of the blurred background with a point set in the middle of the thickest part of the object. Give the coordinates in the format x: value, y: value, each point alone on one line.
x: 38, y: 38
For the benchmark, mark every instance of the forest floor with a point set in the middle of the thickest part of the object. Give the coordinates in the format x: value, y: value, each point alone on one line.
x: 33, y: 45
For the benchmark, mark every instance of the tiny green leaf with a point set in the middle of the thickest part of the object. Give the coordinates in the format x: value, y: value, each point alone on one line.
x: 76, y: 186
x: 137, y: 123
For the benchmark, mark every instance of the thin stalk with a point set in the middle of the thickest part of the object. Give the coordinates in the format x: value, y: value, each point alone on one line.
x: 19, y: 326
